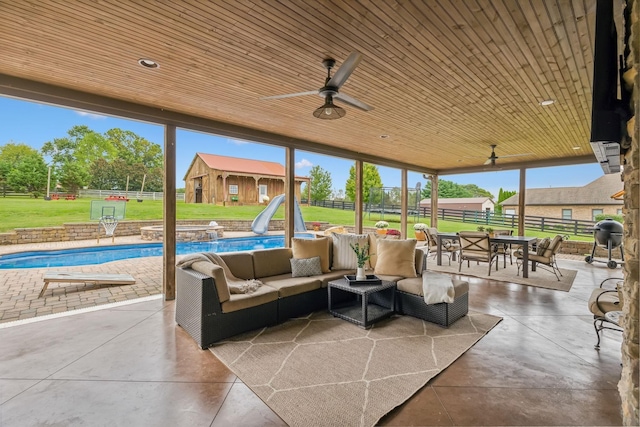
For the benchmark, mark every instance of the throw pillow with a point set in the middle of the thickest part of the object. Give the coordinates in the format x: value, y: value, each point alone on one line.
x: 542, y: 246
x: 308, y: 248
x: 344, y: 258
x: 305, y: 267
x: 396, y: 258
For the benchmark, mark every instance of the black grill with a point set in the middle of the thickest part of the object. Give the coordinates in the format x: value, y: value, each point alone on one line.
x: 608, y: 234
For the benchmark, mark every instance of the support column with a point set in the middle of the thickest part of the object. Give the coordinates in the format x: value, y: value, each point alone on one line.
x: 169, y: 210
x: 521, y: 196
x: 359, y: 199
x: 289, y: 195
x: 404, y: 203
x: 224, y: 188
x: 434, y: 201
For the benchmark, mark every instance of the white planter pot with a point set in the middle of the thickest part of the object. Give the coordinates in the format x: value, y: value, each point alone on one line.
x: 360, y: 274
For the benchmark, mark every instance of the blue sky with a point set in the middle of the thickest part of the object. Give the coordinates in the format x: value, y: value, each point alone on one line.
x: 34, y: 124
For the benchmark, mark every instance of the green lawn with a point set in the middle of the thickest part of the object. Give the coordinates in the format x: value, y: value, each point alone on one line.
x: 18, y: 212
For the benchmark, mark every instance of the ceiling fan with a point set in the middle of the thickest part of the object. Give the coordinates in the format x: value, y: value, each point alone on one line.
x: 330, y: 90
x: 491, y: 160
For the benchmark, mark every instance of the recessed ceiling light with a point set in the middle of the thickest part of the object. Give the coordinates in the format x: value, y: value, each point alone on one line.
x: 577, y: 148
x: 148, y: 63
x: 546, y: 102
x: 384, y: 136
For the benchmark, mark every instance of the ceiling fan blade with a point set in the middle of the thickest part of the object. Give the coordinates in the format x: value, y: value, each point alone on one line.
x: 515, y: 155
x: 345, y: 70
x: 487, y: 162
x: 291, y: 95
x: 352, y: 101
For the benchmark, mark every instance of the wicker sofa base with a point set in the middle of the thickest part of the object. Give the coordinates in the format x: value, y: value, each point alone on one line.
x: 442, y: 314
x: 302, y: 304
x: 198, y: 311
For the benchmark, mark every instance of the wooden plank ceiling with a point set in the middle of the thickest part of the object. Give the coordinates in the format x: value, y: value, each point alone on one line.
x: 447, y: 78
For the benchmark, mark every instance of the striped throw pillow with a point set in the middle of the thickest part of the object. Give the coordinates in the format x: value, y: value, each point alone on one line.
x: 344, y: 258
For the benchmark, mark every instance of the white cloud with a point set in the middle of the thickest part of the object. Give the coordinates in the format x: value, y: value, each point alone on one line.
x: 304, y: 163
x: 90, y: 115
x: 237, y: 141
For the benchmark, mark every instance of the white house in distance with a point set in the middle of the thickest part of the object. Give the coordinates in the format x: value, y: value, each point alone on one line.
x: 484, y: 204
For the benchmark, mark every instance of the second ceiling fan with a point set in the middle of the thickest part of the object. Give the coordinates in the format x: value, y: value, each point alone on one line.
x: 491, y: 160
x: 330, y: 90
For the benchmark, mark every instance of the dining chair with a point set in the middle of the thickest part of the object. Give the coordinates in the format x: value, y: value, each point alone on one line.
x: 449, y: 247
x: 545, y: 255
x: 476, y: 246
x: 603, y: 300
x: 504, y: 248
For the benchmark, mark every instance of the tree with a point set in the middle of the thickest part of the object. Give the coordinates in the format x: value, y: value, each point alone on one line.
x: 320, y: 183
x: 29, y: 175
x: 449, y: 189
x: 72, y: 176
x: 10, y: 155
x: 134, y: 149
x: 502, y: 196
x: 370, y: 179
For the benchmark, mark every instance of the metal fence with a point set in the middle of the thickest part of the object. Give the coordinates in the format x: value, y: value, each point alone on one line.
x: 487, y: 219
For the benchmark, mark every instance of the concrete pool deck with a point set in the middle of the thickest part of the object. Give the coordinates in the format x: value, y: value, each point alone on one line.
x: 19, y: 288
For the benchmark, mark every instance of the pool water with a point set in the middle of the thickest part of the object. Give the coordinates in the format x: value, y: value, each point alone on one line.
x: 100, y: 255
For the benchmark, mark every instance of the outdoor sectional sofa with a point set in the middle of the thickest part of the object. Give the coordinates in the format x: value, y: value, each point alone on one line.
x: 207, y: 310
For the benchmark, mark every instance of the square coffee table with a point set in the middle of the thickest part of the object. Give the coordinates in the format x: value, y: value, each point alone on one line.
x: 370, y: 303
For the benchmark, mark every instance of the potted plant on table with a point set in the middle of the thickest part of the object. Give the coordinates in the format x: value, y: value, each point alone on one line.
x: 382, y: 227
x: 362, y: 254
x: 316, y: 226
x: 420, y: 229
x: 489, y: 230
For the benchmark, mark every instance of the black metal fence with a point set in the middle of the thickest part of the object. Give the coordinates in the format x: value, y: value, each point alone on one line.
x: 479, y: 218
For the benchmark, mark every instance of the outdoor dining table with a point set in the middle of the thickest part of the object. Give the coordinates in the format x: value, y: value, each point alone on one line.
x: 513, y: 240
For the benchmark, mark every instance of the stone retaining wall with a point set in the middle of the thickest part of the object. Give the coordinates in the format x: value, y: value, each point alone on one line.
x: 90, y: 230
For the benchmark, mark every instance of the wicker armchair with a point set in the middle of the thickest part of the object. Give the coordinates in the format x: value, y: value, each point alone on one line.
x: 476, y: 246
x: 545, y: 257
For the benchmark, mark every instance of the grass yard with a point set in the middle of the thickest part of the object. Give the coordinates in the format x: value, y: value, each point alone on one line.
x: 16, y: 212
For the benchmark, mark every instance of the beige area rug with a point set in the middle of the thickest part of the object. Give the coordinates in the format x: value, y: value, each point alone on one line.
x: 324, y: 371
x: 539, y: 278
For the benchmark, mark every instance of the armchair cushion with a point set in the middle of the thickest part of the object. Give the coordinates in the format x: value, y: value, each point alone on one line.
x: 542, y: 246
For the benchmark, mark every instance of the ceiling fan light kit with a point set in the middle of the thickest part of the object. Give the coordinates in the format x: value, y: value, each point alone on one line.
x: 329, y: 111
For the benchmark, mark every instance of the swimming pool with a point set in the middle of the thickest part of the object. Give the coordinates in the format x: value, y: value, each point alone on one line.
x: 100, y: 255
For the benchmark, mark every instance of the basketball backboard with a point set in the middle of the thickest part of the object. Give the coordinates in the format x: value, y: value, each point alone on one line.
x: 108, y: 208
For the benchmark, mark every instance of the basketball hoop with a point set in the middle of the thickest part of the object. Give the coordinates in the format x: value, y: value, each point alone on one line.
x: 109, y: 223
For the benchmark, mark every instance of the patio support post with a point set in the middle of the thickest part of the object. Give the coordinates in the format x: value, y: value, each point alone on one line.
x: 359, y: 199
x: 169, y: 219
x: 521, y: 213
x: 289, y: 194
x: 404, y: 203
x: 434, y: 201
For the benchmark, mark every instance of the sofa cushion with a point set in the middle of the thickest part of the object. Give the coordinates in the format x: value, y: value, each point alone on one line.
x: 240, y: 264
x: 287, y: 285
x: 413, y: 286
x: 396, y: 257
x: 373, y: 248
x: 307, y: 248
x: 263, y: 295
x: 334, y: 275
x: 271, y: 262
x: 344, y: 256
x: 217, y: 272
x: 305, y: 267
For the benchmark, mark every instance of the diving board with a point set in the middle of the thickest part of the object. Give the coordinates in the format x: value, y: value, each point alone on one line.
x: 95, y: 278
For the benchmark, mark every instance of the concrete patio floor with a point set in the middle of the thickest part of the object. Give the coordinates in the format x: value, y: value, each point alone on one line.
x: 130, y: 364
